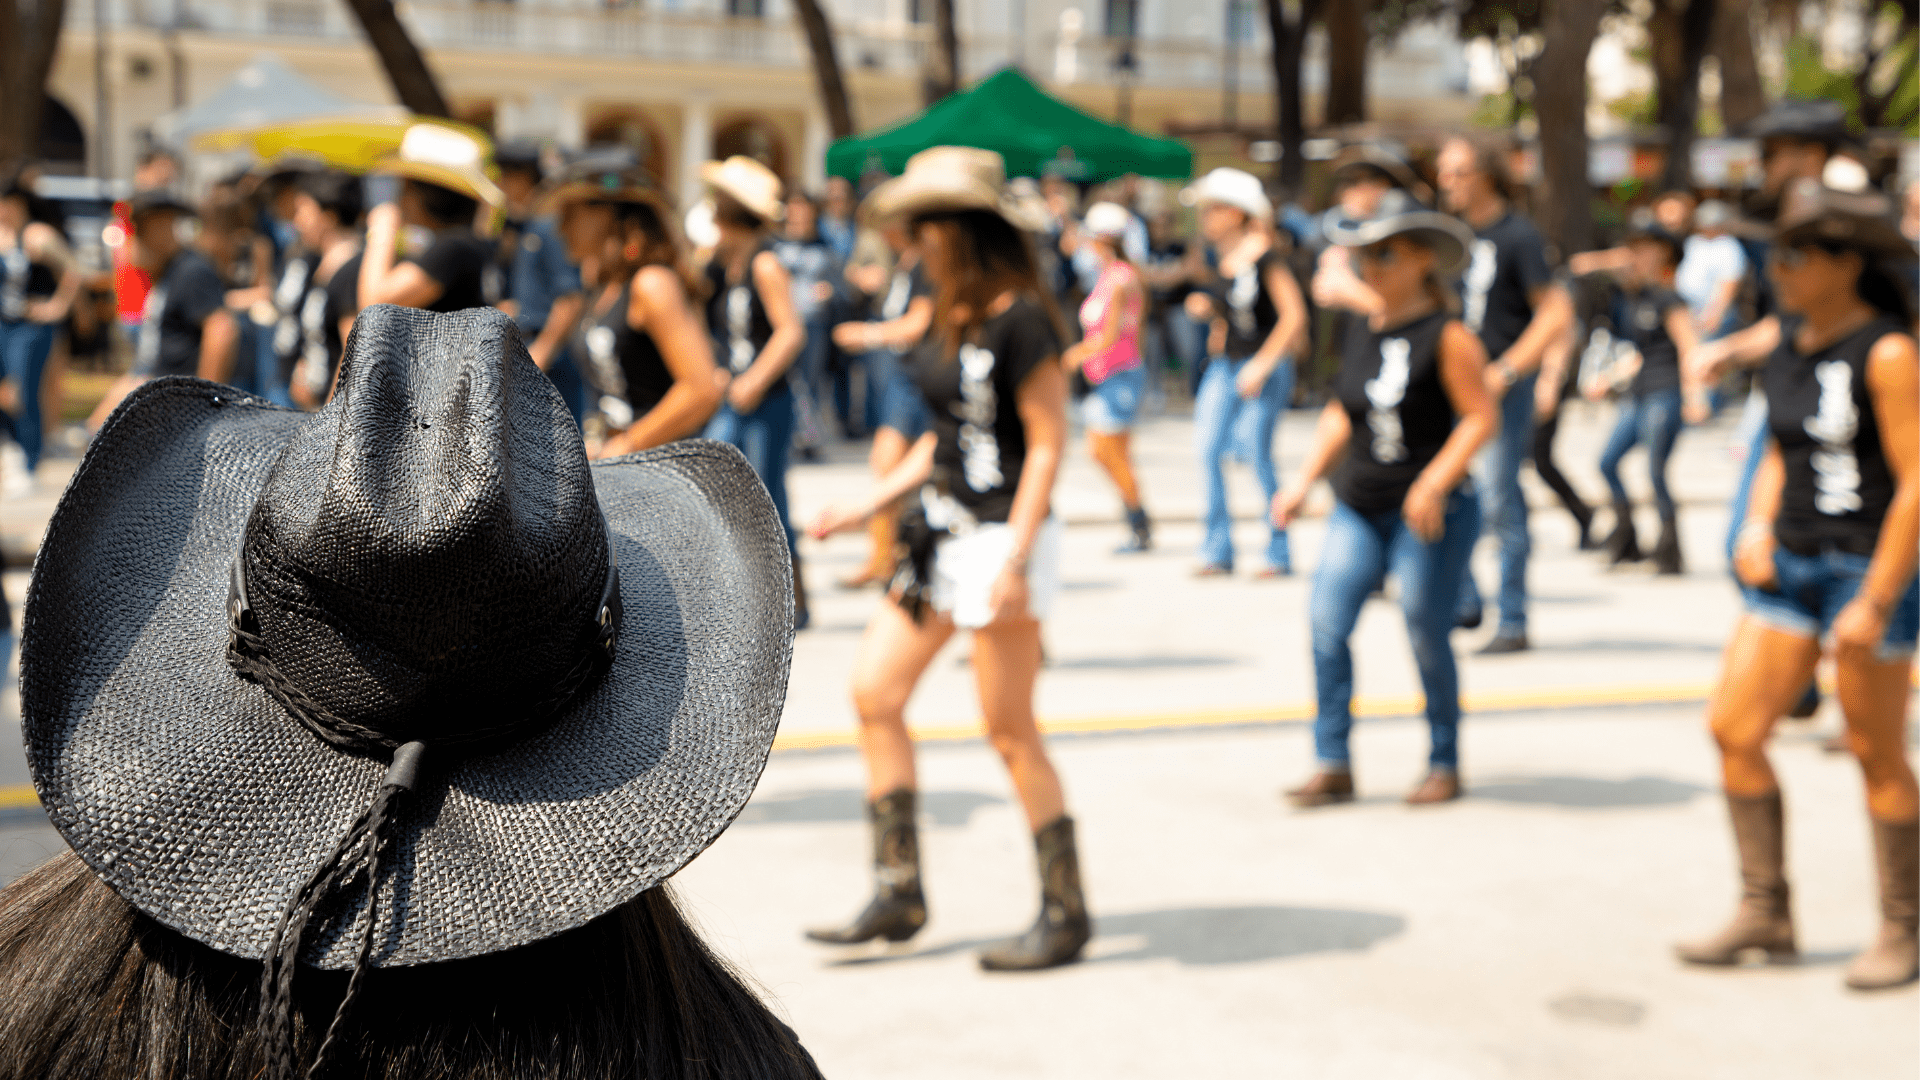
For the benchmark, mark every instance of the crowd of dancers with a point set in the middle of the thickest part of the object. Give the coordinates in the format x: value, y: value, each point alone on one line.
x: 956, y: 318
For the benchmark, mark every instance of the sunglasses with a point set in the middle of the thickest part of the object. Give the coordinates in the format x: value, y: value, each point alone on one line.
x: 1793, y: 258
x: 1379, y: 254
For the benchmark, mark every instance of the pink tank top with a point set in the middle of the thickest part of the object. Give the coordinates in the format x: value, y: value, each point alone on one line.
x: 1124, y: 353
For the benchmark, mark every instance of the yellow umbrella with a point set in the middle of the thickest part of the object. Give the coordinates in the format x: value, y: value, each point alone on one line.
x: 354, y: 144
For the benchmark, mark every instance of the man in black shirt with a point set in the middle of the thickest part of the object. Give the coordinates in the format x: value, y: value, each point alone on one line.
x: 186, y: 329
x: 1508, y: 297
x: 445, y: 183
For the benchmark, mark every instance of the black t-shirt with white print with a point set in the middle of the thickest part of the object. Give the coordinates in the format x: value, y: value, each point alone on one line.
x: 464, y: 266
x: 981, y: 443
x: 185, y: 294
x: 1641, y: 317
x: 1838, y: 484
x: 1508, y: 265
x: 1389, y: 383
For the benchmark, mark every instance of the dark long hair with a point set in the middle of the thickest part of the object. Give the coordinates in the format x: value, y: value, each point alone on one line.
x: 988, y: 257
x: 640, y: 225
x: 91, y: 988
x: 1880, y: 287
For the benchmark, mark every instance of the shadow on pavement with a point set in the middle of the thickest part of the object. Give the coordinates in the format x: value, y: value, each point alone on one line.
x: 1141, y: 663
x: 1243, y: 935
x: 1640, y: 645
x: 849, y: 804
x: 1586, y: 792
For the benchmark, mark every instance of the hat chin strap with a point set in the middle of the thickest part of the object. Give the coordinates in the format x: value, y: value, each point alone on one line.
x: 368, y: 838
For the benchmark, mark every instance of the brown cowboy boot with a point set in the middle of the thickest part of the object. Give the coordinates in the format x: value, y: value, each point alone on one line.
x: 1894, y: 957
x: 1763, y: 919
x: 1324, y: 788
x: 880, y: 554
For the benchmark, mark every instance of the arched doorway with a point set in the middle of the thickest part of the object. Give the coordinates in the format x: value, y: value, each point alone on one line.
x: 62, y: 142
x: 754, y: 137
x: 632, y: 128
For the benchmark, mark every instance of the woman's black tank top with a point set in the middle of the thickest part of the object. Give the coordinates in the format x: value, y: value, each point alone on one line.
x: 22, y: 279
x: 1389, y: 383
x: 736, y: 317
x: 1838, y: 486
x: 614, y: 346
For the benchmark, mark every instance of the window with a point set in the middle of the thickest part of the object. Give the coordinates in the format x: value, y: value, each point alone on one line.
x: 1239, y: 20
x: 919, y: 11
x: 747, y: 9
x: 1123, y: 18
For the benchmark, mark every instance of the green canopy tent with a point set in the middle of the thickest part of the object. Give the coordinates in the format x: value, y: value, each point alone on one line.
x: 1034, y: 131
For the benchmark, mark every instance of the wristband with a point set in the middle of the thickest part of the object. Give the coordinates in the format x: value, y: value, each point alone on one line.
x: 1752, y: 529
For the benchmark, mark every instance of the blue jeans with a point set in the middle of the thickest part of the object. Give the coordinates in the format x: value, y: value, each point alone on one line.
x: 565, y: 376
x: 24, y: 348
x: 1359, y: 550
x: 1506, y: 513
x: 765, y: 436
x: 1651, y: 420
x: 1224, y: 423
x: 267, y: 376
x: 1813, y: 588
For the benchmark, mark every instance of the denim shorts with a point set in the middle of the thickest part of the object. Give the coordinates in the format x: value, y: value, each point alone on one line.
x: 1813, y: 588
x: 903, y: 408
x: 1114, y: 401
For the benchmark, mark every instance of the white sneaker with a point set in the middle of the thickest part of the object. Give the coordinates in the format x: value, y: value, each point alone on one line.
x: 16, y: 482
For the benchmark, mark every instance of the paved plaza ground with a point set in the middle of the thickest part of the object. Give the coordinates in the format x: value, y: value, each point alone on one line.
x: 1522, y: 932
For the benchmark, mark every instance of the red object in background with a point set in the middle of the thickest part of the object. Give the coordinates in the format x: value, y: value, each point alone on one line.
x: 130, y: 283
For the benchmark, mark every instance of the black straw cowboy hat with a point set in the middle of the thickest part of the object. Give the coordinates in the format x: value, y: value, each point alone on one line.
x: 1400, y: 215
x: 259, y: 643
x: 1812, y: 213
x: 607, y: 175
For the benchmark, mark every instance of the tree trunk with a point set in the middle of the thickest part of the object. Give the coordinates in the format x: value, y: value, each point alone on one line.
x: 1289, y: 47
x: 1564, y: 209
x: 413, y: 82
x: 28, y: 41
x: 1346, y: 23
x: 826, y: 67
x: 1681, y: 31
x: 940, y: 76
x: 1742, y: 98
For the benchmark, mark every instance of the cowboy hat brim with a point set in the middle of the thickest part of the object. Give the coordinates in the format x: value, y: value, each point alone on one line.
x: 1449, y: 238
x: 1871, y: 235
x: 714, y: 174
x: 577, y: 191
x: 904, y: 198
x: 197, y: 798
x: 472, y: 185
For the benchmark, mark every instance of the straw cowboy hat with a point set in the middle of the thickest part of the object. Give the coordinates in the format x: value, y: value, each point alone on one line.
x: 1401, y: 215
x: 1813, y: 213
x: 608, y: 176
x: 447, y: 156
x: 951, y: 178
x: 750, y: 183
x: 414, y: 638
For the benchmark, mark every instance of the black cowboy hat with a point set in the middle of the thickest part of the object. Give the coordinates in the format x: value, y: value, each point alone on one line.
x: 157, y: 201
x: 1652, y: 232
x: 1820, y: 121
x: 1812, y: 213
x: 1368, y: 157
x: 607, y: 175
x: 1399, y: 214
x: 252, y: 631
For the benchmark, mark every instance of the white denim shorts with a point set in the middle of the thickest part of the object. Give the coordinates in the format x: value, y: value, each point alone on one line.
x: 964, y: 569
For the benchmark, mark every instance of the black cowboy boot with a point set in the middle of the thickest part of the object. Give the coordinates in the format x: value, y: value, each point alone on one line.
x: 1142, y: 538
x: 801, y: 616
x: 1622, y: 544
x: 1666, y: 553
x: 1063, y: 928
x: 898, y: 910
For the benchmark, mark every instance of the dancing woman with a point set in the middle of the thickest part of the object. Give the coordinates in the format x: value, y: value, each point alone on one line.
x: 646, y: 345
x: 1410, y: 409
x: 1259, y: 319
x: 39, y: 279
x: 1827, y: 551
x: 1109, y: 358
x: 755, y: 329
x: 984, y: 544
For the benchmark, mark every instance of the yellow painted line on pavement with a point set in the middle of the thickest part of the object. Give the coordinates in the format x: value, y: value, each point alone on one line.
x: 1376, y: 707
x: 17, y: 796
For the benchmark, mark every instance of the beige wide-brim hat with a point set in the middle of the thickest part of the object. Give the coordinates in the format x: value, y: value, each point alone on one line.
x: 1399, y: 214
x: 607, y: 178
x: 950, y: 178
x: 750, y: 183
x: 445, y: 156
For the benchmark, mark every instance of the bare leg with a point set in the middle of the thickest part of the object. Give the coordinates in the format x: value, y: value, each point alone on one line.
x: 1006, y: 660
x: 1114, y: 453
x: 1762, y: 674
x: 1873, y: 696
x: 893, y: 654
x: 889, y: 446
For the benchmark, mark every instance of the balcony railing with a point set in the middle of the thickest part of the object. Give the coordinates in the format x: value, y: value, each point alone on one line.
x: 577, y: 28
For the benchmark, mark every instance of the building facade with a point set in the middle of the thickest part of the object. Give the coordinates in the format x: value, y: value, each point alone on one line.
x: 683, y: 81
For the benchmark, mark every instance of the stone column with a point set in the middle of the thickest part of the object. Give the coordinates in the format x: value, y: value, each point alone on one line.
x: 696, y: 145
x: 813, y: 159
